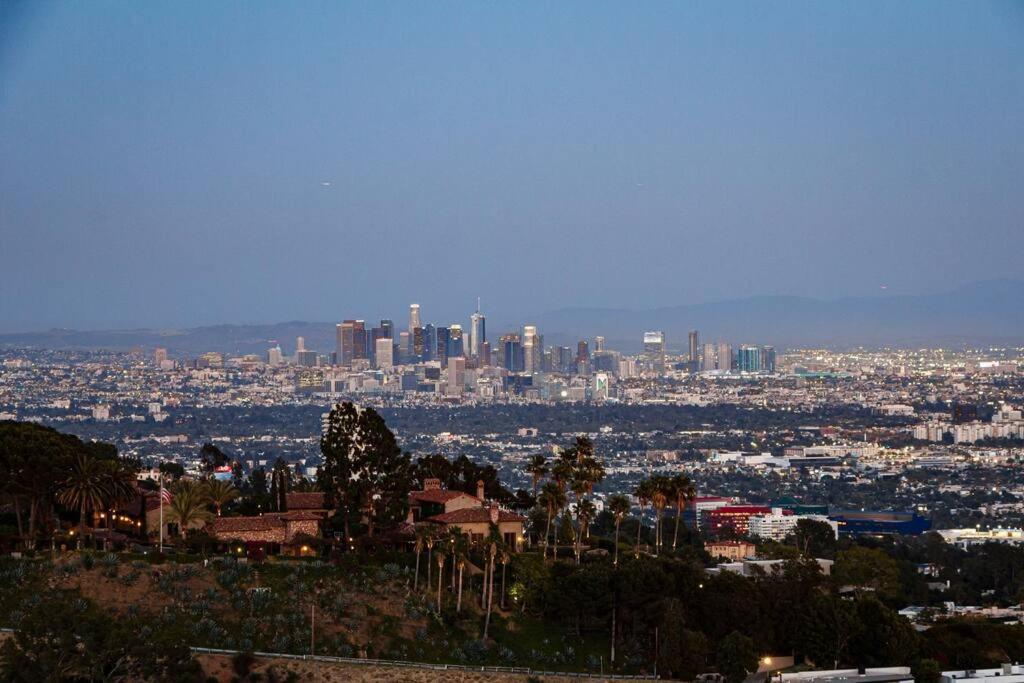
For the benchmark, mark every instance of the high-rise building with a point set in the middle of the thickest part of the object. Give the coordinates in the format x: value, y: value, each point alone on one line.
x: 694, y: 338
x: 455, y: 342
x: 338, y: 344
x: 598, y: 344
x: 274, y: 356
x: 456, y: 374
x: 709, y: 358
x: 359, y: 340
x: 404, y: 346
x: 441, y: 347
x: 307, y: 359
x: 748, y: 359
x: 414, y: 316
x: 654, y: 351
x: 724, y: 356
x: 768, y: 359
x: 384, y: 350
x: 532, y: 349
x: 300, y: 344
x: 511, y: 352
x: 388, y: 327
x: 159, y: 355
x: 429, y: 342
x: 582, y: 352
x: 418, y: 344
x: 485, y: 354
x: 477, y: 331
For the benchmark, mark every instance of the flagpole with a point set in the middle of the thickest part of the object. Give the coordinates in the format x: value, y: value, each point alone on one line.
x: 161, y: 478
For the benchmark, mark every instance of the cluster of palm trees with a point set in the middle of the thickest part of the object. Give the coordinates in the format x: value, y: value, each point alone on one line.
x: 453, y: 547
x: 192, y: 501
x: 95, y: 484
x: 576, y: 471
x: 661, y: 491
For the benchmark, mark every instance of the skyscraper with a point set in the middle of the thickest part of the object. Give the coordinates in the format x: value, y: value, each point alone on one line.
x: 598, y: 344
x: 384, y: 353
x: 359, y: 340
x: 582, y: 352
x: 709, y: 358
x: 748, y: 359
x: 338, y: 344
x: 300, y: 344
x: 511, y: 352
x: 414, y: 316
x: 456, y: 374
x: 654, y: 351
x: 768, y: 359
x: 455, y: 342
x: 532, y: 350
x: 477, y: 331
x: 694, y: 338
x: 441, y: 348
x: 724, y: 356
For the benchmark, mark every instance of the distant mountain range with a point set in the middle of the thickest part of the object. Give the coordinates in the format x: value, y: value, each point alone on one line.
x: 983, y: 313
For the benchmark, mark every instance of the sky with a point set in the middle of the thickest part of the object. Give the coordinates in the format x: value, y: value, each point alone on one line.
x: 193, y: 163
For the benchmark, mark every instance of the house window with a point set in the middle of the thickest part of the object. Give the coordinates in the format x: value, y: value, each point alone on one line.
x: 510, y: 539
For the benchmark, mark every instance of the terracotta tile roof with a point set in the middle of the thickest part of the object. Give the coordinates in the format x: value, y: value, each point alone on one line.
x: 300, y: 515
x: 233, y: 524
x: 438, y: 495
x: 475, y: 515
x: 306, y: 501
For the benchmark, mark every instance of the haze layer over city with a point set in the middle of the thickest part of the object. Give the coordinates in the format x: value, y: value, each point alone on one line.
x: 512, y: 342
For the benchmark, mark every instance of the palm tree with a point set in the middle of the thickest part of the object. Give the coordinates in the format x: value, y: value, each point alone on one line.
x: 685, y: 492
x: 537, y: 467
x: 551, y: 497
x: 219, y: 493
x: 618, y: 505
x: 429, y: 536
x: 422, y: 537
x: 505, y: 557
x: 493, y: 543
x: 659, y: 499
x: 187, y: 506
x: 579, y: 487
x: 440, y: 578
x: 461, y: 553
x: 87, y: 487
x: 644, y: 491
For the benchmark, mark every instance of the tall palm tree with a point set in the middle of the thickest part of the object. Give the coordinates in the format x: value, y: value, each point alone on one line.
x: 644, y: 491
x: 87, y: 487
x: 659, y: 499
x: 685, y: 492
x: 461, y: 557
x: 537, y: 467
x: 493, y: 545
x: 552, y: 497
x: 579, y: 488
x: 422, y: 534
x: 618, y: 505
x: 429, y: 536
x: 219, y: 493
x: 187, y: 506
x: 504, y: 558
x: 440, y: 579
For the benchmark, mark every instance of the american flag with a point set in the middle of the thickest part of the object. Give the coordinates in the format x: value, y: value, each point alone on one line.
x: 165, y: 495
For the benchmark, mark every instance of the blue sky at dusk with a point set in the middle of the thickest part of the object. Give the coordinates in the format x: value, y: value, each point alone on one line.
x: 192, y: 163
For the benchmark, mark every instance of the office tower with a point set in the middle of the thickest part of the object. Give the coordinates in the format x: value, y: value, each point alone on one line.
x: 477, y: 331
x: 511, y: 352
x: 654, y: 351
x: 300, y: 344
x: 441, y: 347
x: 274, y: 356
x: 306, y: 359
x: 418, y: 347
x: 485, y: 354
x: 388, y: 327
x: 404, y: 346
x: 159, y: 355
x: 346, y: 341
x: 748, y: 359
x: 359, y: 340
x: 456, y: 374
x: 724, y: 356
x: 768, y: 359
x: 338, y: 344
x: 414, y: 316
x: 709, y: 359
x: 455, y: 341
x: 598, y: 344
x: 694, y: 338
x: 582, y: 352
x: 429, y: 342
x: 531, y: 349
x: 383, y: 352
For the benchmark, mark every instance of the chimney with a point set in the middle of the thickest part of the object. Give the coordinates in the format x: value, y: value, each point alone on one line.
x: 480, y: 489
x: 493, y: 509
x: 431, y: 484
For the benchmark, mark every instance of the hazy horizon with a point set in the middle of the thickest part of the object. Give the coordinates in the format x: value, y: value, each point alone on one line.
x: 186, y: 164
